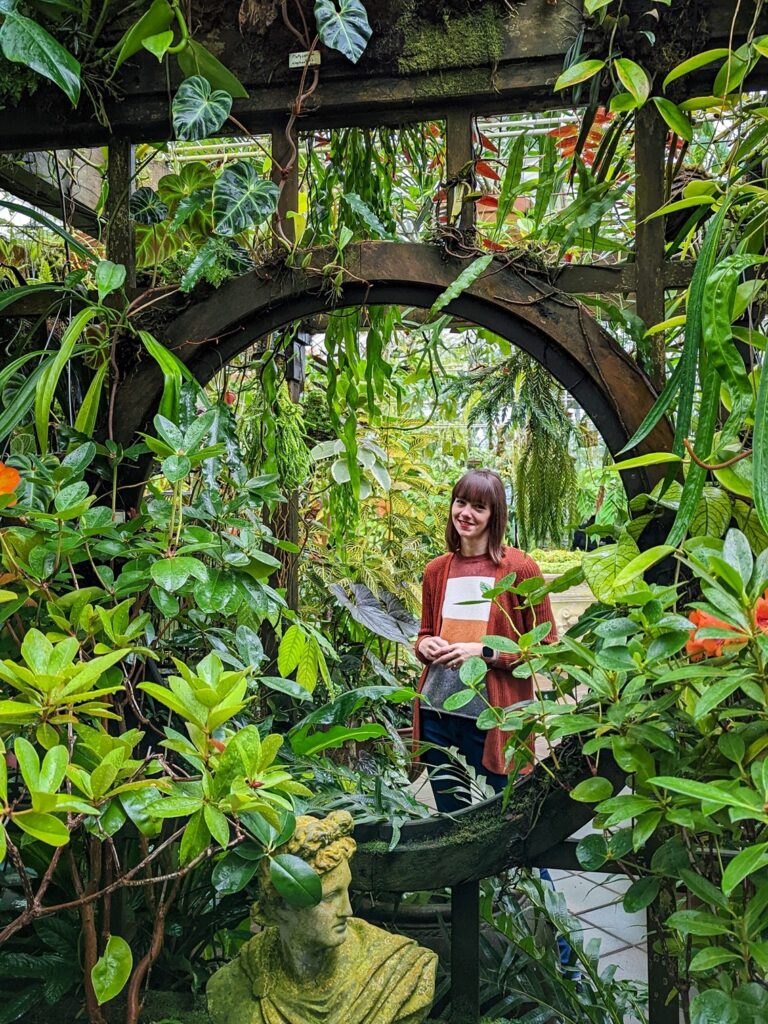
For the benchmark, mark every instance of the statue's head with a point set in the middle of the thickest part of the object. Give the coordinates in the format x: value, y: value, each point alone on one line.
x: 326, y: 845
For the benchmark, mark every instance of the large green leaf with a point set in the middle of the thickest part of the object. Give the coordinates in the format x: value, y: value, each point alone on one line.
x: 194, y: 59
x: 602, y: 566
x: 23, y: 41
x: 146, y: 206
x: 198, y: 110
x: 242, y: 198
x: 45, y: 827
x: 154, y: 21
x: 579, y: 73
x: 297, y: 883
x: 112, y: 970
x: 343, y: 25
x: 53, y: 370
x: 633, y: 78
x: 713, y: 513
x: 675, y: 118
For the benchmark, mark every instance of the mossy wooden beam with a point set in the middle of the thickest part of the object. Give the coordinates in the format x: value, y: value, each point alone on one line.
x: 424, y: 59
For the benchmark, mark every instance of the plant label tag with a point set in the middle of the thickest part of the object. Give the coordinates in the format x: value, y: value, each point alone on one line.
x: 299, y: 60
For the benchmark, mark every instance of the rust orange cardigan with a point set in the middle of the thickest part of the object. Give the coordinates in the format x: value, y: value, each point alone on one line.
x: 502, y: 688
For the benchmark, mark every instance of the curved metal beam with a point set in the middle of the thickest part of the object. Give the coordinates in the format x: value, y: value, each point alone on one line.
x: 517, y: 304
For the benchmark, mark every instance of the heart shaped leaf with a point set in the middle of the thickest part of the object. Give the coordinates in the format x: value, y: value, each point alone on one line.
x: 343, y: 25
x: 112, y: 969
x: 146, y: 206
x: 198, y: 110
x: 242, y: 198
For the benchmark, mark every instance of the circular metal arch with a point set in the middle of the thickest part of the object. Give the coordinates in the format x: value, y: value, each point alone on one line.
x: 517, y: 305
x: 523, y: 308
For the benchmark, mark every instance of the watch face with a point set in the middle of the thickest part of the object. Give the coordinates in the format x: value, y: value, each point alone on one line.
x: 488, y: 652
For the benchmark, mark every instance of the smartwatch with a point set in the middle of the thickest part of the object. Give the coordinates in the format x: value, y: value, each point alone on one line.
x: 488, y: 653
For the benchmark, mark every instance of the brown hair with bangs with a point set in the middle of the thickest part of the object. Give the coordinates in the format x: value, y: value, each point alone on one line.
x: 481, y: 486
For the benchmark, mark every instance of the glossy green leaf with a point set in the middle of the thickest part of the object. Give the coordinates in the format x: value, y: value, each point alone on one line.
x: 146, y: 206
x: 23, y: 41
x: 579, y: 73
x: 592, y: 791
x: 641, y: 563
x: 743, y: 865
x: 294, y: 880
x: 641, y: 894
x: 633, y: 78
x: 343, y: 25
x: 675, y: 118
x: 194, y: 59
x: 109, y: 277
x: 242, y: 198
x: 45, y: 827
x: 158, y: 45
x: 112, y: 970
x: 699, y: 60
x: 153, y: 22
x: 199, y: 111
x: 87, y: 414
x: 760, y: 452
x: 54, y: 369
x: 232, y: 874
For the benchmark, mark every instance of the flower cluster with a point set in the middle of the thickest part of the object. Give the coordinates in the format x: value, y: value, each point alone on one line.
x: 713, y: 646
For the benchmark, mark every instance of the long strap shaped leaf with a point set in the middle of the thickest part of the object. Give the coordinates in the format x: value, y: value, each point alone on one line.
x: 694, y: 481
x: 53, y: 370
x: 694, y: 329
x: 760, y: 451
x: 16, y: 410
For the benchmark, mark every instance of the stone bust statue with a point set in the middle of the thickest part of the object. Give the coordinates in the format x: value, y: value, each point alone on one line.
x: 320, y: 965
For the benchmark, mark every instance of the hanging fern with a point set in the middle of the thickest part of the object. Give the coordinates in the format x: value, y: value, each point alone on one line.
x: 520, y: 395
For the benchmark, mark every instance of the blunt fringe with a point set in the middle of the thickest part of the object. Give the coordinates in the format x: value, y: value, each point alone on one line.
x: 481, y: 486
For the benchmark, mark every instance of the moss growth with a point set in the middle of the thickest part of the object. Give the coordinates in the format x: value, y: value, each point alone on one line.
x: 468, y: 40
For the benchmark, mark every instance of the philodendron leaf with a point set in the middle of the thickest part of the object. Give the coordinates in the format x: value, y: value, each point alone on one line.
x: 23, y: 41
x: 242, y: 198
x: 112, y: 969
x: 146, y: 206
x: 343, y: 25
x: 198, y: 110
x: 297, y: 883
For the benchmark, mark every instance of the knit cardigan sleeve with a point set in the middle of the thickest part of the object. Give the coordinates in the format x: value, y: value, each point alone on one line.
x: 429, y: 603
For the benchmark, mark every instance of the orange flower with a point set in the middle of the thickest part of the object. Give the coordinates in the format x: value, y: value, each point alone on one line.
x: 761, y: 612
x: 710, y: 647
x: 9, y: 480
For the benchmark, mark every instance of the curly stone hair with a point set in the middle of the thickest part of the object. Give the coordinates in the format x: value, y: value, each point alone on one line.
x: 322, y: 842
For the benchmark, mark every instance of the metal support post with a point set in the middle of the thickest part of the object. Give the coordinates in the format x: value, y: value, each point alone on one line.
x: 465, y: 953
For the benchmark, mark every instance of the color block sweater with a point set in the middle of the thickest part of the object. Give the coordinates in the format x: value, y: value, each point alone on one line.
x: 502, y: 688
x: 464, y: 621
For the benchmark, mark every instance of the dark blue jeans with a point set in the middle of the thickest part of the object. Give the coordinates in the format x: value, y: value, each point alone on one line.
x: 450, y: 785
x: 452, y: 792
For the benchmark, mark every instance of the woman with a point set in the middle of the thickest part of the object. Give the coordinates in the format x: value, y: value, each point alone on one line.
x: 452, y: 631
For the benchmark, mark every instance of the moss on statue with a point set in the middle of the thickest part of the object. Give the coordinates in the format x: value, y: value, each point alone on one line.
x: 459, y: 41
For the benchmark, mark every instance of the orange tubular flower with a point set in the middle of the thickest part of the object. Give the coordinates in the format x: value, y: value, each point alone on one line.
x: 761, y: 613
x: 710, y: 647
x: 9, y: 480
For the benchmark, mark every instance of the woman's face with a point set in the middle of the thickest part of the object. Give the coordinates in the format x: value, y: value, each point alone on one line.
x: 471, y: 519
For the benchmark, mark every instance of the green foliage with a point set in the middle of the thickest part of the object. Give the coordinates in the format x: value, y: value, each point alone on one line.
x: 677, y: 700
x: 343, y: 25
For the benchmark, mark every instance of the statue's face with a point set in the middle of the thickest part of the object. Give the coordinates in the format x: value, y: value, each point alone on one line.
x: 324, y: 925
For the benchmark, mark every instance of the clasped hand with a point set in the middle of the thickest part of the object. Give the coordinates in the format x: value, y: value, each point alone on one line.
x: 440, y: 652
